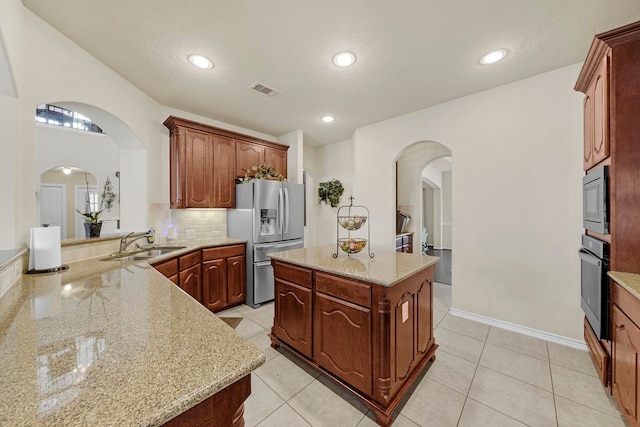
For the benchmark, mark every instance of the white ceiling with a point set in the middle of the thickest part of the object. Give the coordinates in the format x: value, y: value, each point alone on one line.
x: 411, y: 54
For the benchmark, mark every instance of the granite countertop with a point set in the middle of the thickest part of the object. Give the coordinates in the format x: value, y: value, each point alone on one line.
x: 629, y: 281
x: 386, y: 268
x: 112, y: 343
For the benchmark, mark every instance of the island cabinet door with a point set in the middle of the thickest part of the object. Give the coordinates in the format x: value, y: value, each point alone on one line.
x: 424, y: 318
x: 342, y: 340
x: 293, y: 316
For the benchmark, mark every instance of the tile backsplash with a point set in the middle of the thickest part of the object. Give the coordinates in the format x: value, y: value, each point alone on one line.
x: 187, y: 223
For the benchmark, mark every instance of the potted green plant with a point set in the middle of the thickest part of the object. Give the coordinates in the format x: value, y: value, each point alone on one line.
x: 92, y: 223
x: 330, y: 192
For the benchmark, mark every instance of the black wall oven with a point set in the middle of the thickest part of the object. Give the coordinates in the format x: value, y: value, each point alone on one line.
x: 594, y: 284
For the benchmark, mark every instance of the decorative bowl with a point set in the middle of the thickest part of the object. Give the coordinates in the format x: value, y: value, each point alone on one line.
x: 352, y: 222
x: 351, y: 245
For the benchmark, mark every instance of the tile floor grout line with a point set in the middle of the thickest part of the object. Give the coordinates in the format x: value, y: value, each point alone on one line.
x: 472, y: 378
x: 553, y: 389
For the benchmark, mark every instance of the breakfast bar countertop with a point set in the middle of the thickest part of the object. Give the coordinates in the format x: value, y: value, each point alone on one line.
x: 112, y: 343
x: 629, y: 281
x: 386, y: 268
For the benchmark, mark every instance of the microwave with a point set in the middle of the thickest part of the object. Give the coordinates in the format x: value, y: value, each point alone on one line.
x: 595, y: 200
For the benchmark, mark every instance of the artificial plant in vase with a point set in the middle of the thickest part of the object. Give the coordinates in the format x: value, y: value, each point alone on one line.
x: 330, y: 192
x: 92, y: 223
x: 262, y: 172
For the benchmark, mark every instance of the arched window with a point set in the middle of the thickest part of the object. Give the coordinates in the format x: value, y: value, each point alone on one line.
x: 58, y: 116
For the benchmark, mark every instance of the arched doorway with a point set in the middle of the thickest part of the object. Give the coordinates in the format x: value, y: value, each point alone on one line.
x: 423, y: 191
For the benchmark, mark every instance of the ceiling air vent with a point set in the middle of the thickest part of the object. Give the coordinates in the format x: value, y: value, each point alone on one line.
x: 259, y: 87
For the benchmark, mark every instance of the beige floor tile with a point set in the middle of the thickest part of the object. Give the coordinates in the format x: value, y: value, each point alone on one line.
x: 284, y: 376
x: 399, y: 420
x: 248, y: 328
x: 466, y: 327
x: 264, y: 342
x: 475, y: 414
x: 243, y: 308
x: 582, y: 388
x: 321, y: 407
x: 432, y: 404
x: 524, y: 402
x: 284, y: 416
x: 574, y: 414
x: 459, y: 345
x: 442, y: 291
x: 452, y: 371
x: 517, y: 365
x: 230, y: 312
x: 437, y: 317
x: 517, y: 342
x: 441, y: 305
x: 571, y: 358
x: 261, y: 402
x: 263, y: 318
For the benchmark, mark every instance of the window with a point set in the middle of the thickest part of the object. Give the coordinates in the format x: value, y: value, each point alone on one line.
x: 58, y: 116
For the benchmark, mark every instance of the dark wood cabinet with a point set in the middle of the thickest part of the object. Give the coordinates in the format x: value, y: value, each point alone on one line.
x: 625, y: 372
x: 191, y: 275
x: 251, y: 153
x: 215, y: 277
x: 404, y: 243
x: 224, y: 277
x: 205, y: 161
x: 373, y: 338
x: 596, y: 116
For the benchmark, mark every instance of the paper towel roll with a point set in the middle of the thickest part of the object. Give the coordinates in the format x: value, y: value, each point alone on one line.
x: 44, y: 253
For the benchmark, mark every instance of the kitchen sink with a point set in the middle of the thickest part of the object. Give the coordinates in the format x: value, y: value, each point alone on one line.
x: 142, y: 254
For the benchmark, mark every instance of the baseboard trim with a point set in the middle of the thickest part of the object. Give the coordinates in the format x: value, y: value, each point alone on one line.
x: 535, y: 333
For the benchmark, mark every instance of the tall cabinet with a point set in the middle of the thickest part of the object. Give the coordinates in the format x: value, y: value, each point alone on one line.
x: 610, y: 80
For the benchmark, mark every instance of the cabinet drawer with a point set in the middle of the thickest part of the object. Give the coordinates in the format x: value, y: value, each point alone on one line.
x: 222, y: 252
x: 189, y: 260
x: 167, y: 268
x: 292, y: 273
x: 345, y: 289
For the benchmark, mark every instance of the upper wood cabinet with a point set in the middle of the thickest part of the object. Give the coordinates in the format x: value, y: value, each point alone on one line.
x: 596, y: 116
x: 249, y: 154
x: 205, y: 161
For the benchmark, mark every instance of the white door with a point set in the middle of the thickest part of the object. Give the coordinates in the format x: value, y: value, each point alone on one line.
x: 53, y: 206
x: 85, y: 202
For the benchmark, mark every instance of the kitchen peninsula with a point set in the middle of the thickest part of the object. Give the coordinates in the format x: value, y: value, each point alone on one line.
x: 116, y: 343
x: 367, y: 323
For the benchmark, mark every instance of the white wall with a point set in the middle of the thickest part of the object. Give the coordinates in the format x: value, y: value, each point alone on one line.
x: 516, y: 195
x: 447, y: 214
x: 335, y: 161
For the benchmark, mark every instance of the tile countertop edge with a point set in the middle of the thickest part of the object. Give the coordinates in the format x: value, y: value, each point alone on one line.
x: 312, y: 261
x: 629, y: 281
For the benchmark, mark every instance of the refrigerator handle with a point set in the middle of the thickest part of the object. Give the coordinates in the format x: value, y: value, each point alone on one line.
x: 280, y: 210
x: 286, y: 210
x: 254, y: 215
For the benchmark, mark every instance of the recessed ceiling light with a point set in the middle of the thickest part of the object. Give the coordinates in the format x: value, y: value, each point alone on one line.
x: 494, y: 56
x: 344, y: 59
x: 66, y: 171
x: 327, y: 118
x: 201, y: 62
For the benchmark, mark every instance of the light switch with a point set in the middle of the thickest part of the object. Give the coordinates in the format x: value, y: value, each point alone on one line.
x: 405, y: 311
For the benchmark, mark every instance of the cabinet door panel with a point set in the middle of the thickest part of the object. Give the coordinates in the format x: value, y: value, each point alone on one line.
x: 214, y: 284
x: 404, y: 333
x: 588, y: 130
x: 190, y: 282
x: 277, y: 159
x: 224, y: 172
x: 236, y: 280
x: 198, y: 174
x: 626, y: 348
x: 293, y: 316
x: 247, y: 156
x: 600, y: 114
x: 342, y: 340
x: 424, y: 317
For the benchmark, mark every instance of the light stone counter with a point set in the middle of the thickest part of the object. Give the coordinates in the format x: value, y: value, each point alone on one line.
x: 629, y: 281
x: 112, y: 343
x: 386, y: 268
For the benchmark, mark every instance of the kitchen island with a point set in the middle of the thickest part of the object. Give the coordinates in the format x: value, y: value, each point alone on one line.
x: 367, y: 323
x: 116, y: 343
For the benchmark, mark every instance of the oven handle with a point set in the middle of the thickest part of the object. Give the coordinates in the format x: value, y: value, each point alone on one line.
x: 586, y: 256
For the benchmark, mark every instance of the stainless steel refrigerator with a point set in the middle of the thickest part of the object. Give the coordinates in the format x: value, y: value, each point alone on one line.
x: 270, y: 216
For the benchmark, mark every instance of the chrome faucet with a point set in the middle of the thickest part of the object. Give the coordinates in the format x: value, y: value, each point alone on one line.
x: 150, y: 235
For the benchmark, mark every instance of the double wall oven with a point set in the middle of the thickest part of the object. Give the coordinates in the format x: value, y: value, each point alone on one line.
x: 594, y: 253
